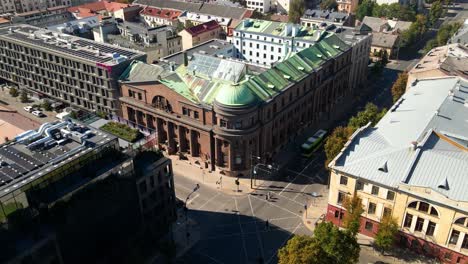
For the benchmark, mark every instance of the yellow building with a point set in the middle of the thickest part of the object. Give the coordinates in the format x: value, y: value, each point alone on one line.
x: 200, y: 33
x: 413, y: 165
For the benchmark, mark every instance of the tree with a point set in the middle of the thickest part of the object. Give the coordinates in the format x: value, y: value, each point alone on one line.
x: 352, y: 218
x: 339, y: 246
x: 302, y: 250
x: 188, y: 24
x: 384, y: 57
x: 328, y: 245
x: 296, y: 10
x: 14, y: 92
x: 435, y: 12
x: 47, y: 106
x: 180, y: 26
x: 365, y: 9
x: 415, y: 31
x: 399, y: 87
x: 386, y: 234
x: 335, y: 142
x: 329, y: 5
x: 24, y: 96
x: 371, y: 113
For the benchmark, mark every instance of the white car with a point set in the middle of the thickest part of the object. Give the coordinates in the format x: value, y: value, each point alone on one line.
x: 28, y: 108
x: 38, y: 114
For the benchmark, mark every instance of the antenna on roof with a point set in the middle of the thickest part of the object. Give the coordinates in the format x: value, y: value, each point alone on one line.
x: 384, y: 167
x: 444, y: 184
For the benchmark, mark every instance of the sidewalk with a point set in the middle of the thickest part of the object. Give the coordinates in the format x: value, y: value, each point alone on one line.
x: 212, y: 179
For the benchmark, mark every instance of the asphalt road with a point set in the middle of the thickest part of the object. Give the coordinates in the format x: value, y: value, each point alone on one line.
x: 233, y: 229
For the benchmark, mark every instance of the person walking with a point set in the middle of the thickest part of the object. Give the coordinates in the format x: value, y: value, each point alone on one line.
x: 267, y: 225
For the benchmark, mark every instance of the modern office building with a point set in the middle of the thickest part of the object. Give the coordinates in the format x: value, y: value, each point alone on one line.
x: 218, y: 113
x: 54, y: 178
x: 200, y: 33
x: 77, y: 71
x: 412, y: 166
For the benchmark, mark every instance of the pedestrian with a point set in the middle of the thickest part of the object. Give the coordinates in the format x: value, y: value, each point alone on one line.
x: 267, y: 225
x: 266, y: 196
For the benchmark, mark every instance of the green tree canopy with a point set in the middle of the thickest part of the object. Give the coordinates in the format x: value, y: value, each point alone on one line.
x: 302, y: 250
x: 365, y: 8
x: 415, y: 31
x: 328, y: 245
x: 445, y: 32
x: 371, y: 113
x: 354, y: 209
x: 386, y: 234
x: 336, y: 140
x: 399, y: 87
x: 394, y: 10
x: 24, y: 98
x: 436, y: 12
x: 296, y: 10
x: 329, y: 5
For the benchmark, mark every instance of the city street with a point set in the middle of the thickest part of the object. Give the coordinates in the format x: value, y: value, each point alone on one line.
x: 234, y: 229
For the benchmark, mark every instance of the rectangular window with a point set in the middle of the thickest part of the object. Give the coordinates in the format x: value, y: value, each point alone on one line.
x: 430, y: 228
x: 408, y: 220
x: 419, y: 224
x: 184, y: 111
x: 375, y: 190
x: 222, y: 123
x: 341, y: 197
x: 390, y: 195
x: 371, y: 208
x: 465, y: 242
x: 369, y: 226
x: 387, y: 211
x: 359, y: 186
x: 344, y: 180
x: 195, y: 114
x: 454, y: 237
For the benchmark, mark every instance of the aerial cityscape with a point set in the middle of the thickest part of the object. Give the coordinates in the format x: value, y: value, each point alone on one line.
x: 233, y: 131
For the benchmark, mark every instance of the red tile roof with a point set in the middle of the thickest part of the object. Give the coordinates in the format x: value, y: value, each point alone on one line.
x: 163, y: 13
x: 91, y: 9
x: 202, y: 28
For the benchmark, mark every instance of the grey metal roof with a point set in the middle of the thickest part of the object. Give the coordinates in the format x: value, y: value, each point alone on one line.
x: 433, y: 113
x: 66, y: 44
x: 385, y: 40
x: 139, y: 71
x: 211, y: 47
x: 325, y: 15
x: 204, y: 8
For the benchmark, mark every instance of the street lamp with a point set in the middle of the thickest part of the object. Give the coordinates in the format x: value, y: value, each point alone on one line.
x: 253, y: 171
x: 197, y: 186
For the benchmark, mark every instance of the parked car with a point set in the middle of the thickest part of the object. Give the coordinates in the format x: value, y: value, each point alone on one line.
x: 29, y: 109
x: 38, y: 114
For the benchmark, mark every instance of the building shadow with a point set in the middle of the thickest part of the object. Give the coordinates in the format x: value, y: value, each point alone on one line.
x: 228, y: 237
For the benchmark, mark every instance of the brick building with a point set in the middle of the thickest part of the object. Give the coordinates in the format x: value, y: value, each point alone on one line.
x: 218, y: 113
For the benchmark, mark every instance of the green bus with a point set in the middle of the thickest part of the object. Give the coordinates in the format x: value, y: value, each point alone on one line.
x: 313, y: 143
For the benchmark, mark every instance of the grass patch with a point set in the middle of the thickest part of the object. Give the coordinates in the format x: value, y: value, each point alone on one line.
x: 8, y: 209
x: 122, y: 131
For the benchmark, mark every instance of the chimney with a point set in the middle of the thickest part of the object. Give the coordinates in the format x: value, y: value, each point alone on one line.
x: 185, y: 59
x: 172, y: 66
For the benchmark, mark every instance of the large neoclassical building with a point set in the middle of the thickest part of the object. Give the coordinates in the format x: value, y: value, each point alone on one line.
x: 219, y: 112
x: 413, y: 166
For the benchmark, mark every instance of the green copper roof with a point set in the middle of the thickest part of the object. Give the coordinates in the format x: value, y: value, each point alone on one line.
x: 231, y: 84
x: 235, y: 95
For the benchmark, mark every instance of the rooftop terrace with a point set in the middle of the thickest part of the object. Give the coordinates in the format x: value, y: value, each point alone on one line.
x: 35, y: 153
x: 68, y: 45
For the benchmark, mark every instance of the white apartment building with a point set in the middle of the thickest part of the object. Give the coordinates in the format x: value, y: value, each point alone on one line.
x: 262, y: 6
x: 266, y: 42
x: 282, y: 5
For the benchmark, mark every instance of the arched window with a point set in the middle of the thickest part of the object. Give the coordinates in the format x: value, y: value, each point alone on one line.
x: 462, y: 221
x: 424, y: 207
x: 160, y: 102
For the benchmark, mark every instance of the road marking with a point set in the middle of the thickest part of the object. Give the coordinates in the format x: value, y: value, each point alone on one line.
x: 274, y: 254
x: 272, y: 229
x: 302, y: 192
x: 257, y: 221
x: 213, y: 259
x: 278, y: 207
x: 191, y: 200
x: 301, y: 174
x: 242, y: 231
x: 256, y: 230
x: 209, y: 200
